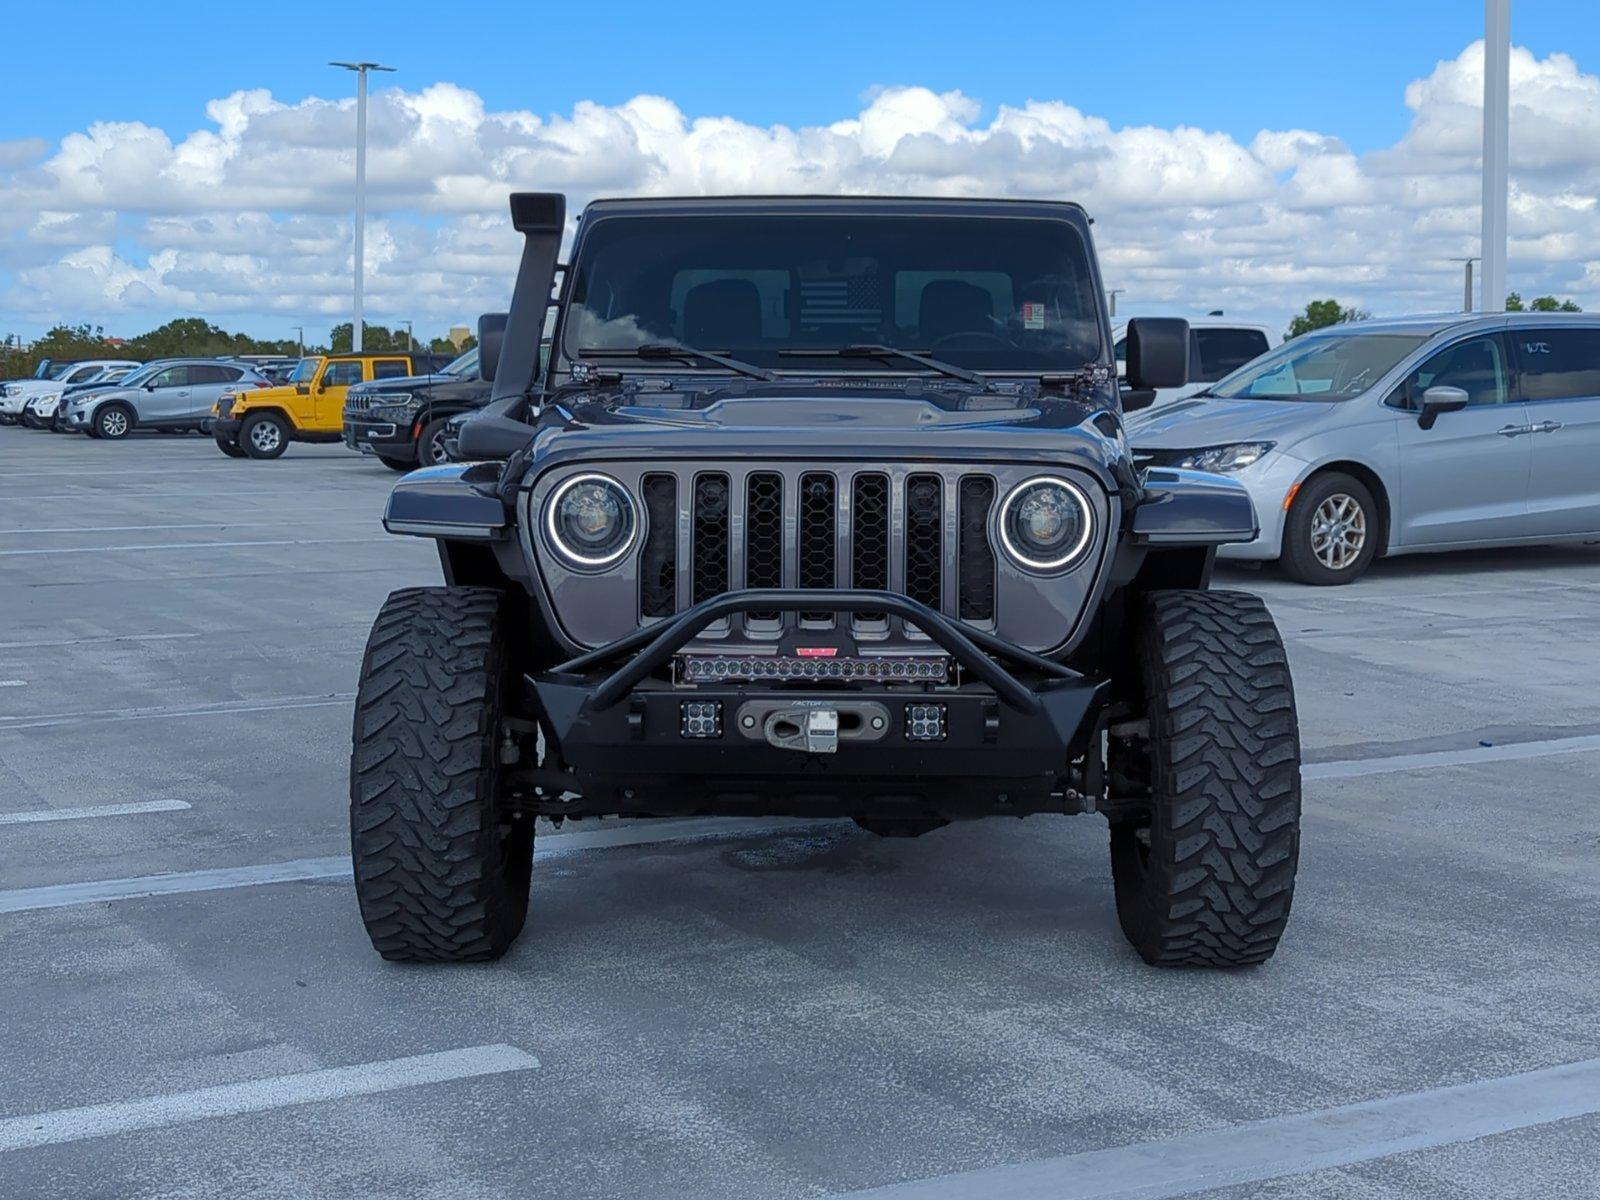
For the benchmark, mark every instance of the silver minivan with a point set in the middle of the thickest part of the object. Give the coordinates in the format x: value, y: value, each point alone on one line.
x: 1399, y: 436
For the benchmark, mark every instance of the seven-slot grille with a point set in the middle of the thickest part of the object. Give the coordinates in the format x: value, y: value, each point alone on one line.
x: 921, y: 533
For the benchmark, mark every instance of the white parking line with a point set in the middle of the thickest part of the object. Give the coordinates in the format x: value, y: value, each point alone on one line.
x: 337, y: 867
x: 109, y: 637
x: 1281, y: 1146
x: 366, y: 520
x: 259, y: 1095
x: 1508, y: 752
x: 190, y: 546
x: 39, y: 816
x: 220, y: 709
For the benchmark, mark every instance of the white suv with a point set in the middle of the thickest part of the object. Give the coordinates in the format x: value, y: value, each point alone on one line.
x: 1217, y: 347
x: 16, y: 394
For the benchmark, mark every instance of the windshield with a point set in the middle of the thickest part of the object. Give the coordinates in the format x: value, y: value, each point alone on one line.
x: 1328, y: 366
x: 57, y: 370
x: 465, y: 365
x: 305, y: 370
x: 990, y: 294
x: 140, y: 374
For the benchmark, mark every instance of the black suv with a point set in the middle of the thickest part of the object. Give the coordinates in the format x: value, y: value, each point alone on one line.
x: 403, y: 421
x: 821, y: 508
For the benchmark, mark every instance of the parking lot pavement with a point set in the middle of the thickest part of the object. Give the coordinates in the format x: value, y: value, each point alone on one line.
x: 804, y: 1012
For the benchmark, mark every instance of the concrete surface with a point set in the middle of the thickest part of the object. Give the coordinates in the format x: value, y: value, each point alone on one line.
x: 805, y: 1012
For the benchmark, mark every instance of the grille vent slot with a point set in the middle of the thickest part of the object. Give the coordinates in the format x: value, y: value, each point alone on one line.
x: 658, y: 560
x: 975, y: 556
x: 711, y: 536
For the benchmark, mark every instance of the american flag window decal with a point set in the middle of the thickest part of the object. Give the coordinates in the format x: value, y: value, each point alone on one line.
x: 852, y: 301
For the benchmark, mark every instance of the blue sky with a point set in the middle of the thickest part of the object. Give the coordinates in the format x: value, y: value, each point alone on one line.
x: 1242, y: 155
x: 1236, y: 66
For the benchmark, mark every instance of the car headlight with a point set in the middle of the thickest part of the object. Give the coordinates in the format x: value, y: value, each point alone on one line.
x: 590, y: 521
x: 9, y: 389
x: 1222, y: 459
x: 1046, y: 523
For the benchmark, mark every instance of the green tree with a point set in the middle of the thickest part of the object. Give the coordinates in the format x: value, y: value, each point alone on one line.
x: 1514, y: 303
x: 443, y: 345
x: 373, y: 337
x: 1319, y: 314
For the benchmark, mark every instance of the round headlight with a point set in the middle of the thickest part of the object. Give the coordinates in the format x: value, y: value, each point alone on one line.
x: 590, y: 520
x: 1045, y: 523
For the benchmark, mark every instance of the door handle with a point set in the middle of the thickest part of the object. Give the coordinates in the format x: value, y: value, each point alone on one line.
x: 1510, y: 431
x: 1545, y: 427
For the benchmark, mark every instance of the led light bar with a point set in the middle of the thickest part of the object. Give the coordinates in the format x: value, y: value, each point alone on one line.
x: 761, y: 668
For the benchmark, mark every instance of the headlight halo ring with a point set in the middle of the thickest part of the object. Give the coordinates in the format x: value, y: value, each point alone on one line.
x: 573, y: 557
x: 1074, y: 554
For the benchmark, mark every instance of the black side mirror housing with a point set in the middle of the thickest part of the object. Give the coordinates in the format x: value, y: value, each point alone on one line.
x: 491, y: 336
x: 1158, y: 352
x: 1438, y: 400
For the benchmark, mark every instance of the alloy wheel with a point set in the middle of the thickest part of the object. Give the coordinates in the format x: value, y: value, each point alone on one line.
x: 114, y: 423
x: 1338, y: 531
x: 265, y: 437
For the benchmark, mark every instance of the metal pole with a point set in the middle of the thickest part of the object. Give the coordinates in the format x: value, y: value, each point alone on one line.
x: 300, y: 330
x: 1467, y: 302
x: 361, y: 69
x: 358, y: 325
x: 1496, y: 146
x: 411, y: 342
x: 1111, y: 295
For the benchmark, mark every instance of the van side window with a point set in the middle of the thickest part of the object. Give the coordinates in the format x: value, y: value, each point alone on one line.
x: 1477, y: 366
x: 1558, y: 364
x: 1216, y: 353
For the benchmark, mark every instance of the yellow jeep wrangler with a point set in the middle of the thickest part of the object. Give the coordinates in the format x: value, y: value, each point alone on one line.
x: 261, y: 422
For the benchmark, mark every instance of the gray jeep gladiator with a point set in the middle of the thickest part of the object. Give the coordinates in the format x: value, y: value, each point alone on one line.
x: 821, y: 508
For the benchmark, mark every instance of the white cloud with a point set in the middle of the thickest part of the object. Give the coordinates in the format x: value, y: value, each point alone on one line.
x: 248, y: 215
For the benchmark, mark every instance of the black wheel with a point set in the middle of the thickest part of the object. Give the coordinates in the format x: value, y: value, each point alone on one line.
x: 441, y: 873
x: 228, y: 448
x: 112, y: 421
x: 1205, y: 875
x: 397, y: 464
x: 430, y: 446
x: 1332, y: 531
x: 264, y: 435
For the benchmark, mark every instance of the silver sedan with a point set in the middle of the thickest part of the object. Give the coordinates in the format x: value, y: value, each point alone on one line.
x: 1401, y: 436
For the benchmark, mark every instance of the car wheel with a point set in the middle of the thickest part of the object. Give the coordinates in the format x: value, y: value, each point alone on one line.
x: 1204, y: 870
x: 1331, y: 534
x: 430, y: 446
x: 396, y: 464
x: 228, y: 448
x: 264, y: 435
x: 113, y: 421
x: 441, y: 870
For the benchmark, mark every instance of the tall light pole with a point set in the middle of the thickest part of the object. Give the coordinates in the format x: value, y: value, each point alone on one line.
x: 1466, y: 295
x: 1111, y: 298
x: 361, y: 69
x: 411, y: 342
x: 300, y: 331
x: 1496, y: 146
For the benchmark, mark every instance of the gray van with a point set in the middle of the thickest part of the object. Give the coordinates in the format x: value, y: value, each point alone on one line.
x: 170, y: 394
x: 1401, y: 436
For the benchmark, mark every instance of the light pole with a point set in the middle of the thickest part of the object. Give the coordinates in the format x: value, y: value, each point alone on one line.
x: 411, y: 342
x: 361, y: 69
x: 300, y: 336
x: 1111, y: 298
x: 1466, y: 295
x: 1496, y: 146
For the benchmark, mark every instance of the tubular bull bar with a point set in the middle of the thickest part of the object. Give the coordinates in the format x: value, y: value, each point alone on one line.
x: 627, y: 740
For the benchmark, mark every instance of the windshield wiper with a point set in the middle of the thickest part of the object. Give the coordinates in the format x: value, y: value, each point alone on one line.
x: 875, y: 350
x: 678, y: 350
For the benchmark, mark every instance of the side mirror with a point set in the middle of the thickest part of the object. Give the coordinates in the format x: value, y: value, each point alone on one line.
x: 1158, y: 352
x: 302, y: 389
x: 151, y: 386
x: 491, y: 336
x: 1438, y: 400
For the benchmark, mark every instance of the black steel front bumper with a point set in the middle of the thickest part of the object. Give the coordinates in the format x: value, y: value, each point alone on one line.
x: 392, y: 439
x: 1015, y: 724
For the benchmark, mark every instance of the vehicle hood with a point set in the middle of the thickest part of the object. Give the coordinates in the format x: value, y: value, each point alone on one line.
x: 1196, y: 422
x: 105, y: 391
x: 403, y: 383
x: 792, y: 421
